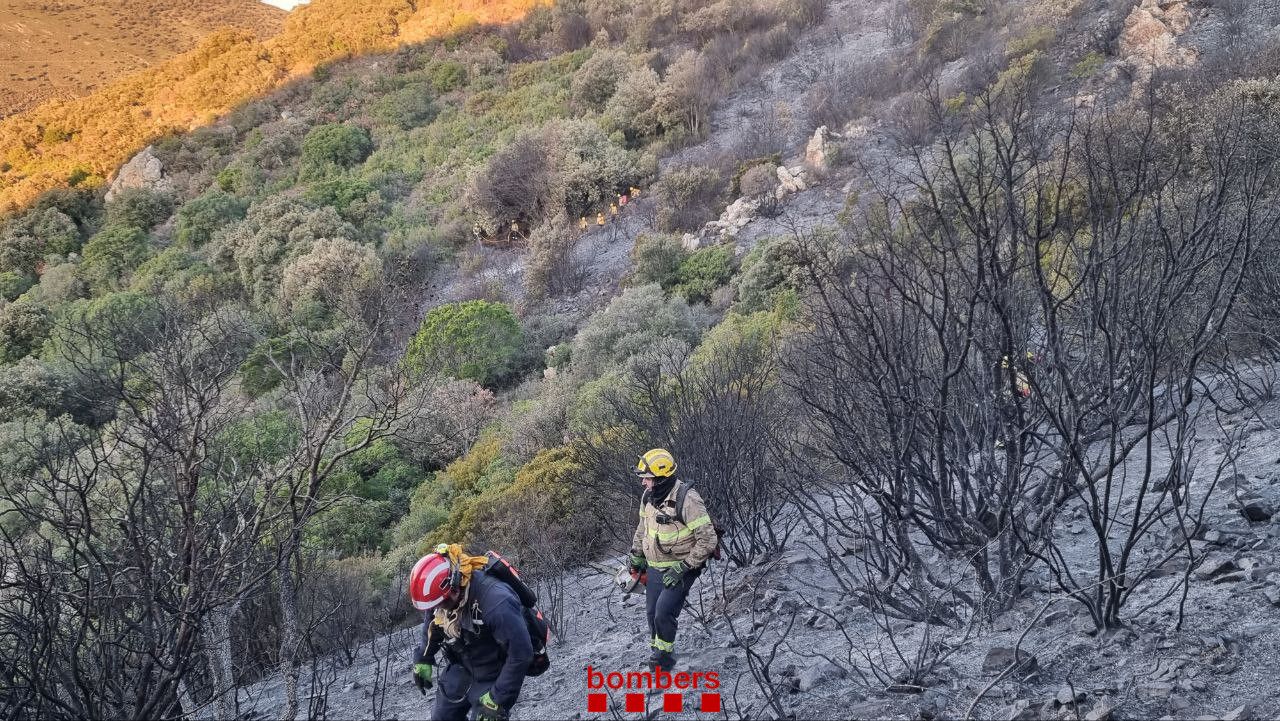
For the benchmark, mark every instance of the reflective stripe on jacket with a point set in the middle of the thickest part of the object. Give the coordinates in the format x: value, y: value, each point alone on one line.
x: 664, y: 540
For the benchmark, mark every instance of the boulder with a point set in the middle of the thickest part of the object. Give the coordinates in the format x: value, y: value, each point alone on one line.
x: 790, y: 180
x: 1215, y: 564
x: 1243, y: 712
x: 1101, y: 711
x: 1256, y: 511
x: 1067, y: 696
x: 816, y: 153
x: 1272, y: 593
x: 820, y: 673
x: 143, y: 170
x: 1149, y: 39
x: 1023, y: 710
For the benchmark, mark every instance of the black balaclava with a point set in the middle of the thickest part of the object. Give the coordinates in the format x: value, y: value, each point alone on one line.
x: 661, y: 487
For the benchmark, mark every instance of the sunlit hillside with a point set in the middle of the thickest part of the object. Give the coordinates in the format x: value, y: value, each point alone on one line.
x: 66, y: 49
x: 85, y: 139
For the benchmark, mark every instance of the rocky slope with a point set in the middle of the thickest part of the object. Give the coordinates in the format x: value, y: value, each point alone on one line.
x: 822, y: 651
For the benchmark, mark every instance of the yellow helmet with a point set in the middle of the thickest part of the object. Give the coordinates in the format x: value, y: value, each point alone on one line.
x: 659, y: 462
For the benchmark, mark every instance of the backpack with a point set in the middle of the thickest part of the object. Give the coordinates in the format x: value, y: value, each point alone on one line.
x: 682, y: 491
x: 539, y: 632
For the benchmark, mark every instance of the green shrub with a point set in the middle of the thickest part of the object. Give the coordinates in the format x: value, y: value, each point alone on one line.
x: 597, y: 79
x: 475, y: 339
x: 112, y: 254
x: 406, y: 108
x: 1089, y: 65
x: 703, y: 272
x: 202, y: 216
x: 355, y: 199
x: 139, y: 207
x: 769, y: 269
x: 55, y: 134
x: 327, y: 148
x: 656, y: 258
x: 447, y: 75
x: 24, y: 327
x: 632, y: 323
x: 14, y: 284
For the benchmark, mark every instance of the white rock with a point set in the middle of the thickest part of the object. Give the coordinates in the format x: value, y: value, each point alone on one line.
x: 144, y: 170
x: 816, y: 152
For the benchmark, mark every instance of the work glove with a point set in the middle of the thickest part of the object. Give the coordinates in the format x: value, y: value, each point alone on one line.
x: 489, y: 710
x: 674, y: 575
x: 638, y: 563
x: 422, y: 676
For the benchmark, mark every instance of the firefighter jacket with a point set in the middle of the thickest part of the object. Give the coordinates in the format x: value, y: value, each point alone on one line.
x: 664, y: 539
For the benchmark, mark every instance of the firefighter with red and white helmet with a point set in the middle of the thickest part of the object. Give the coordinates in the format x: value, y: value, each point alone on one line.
x: 479, y: 623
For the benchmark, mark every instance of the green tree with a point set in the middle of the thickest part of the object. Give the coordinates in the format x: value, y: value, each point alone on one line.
x: 632, y: 110
x: 57, y: 231
x: 112, y: 254
x: 632, y: 323
x: 474, y: 339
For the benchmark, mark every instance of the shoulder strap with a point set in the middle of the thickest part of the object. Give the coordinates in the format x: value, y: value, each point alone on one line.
x: 682, y: 490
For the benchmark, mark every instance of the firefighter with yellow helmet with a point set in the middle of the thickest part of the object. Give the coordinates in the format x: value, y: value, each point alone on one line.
x: 672, y: 543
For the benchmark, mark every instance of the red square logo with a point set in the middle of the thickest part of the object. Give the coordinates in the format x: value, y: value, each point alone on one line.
x: 597, y: 703
x: 673, y: 702
x: 635, y: 703
x: 710, y: 703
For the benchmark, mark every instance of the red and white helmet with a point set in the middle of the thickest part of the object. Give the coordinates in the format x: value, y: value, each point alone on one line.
x: 430, y: 581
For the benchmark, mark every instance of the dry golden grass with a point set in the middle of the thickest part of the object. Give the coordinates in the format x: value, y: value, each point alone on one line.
x: 67, y: 48
x: 41, y: 148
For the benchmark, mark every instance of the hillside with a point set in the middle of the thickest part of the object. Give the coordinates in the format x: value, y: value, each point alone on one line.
x: 960, y: 316
x: 83, y: 140
x: 67, y: 49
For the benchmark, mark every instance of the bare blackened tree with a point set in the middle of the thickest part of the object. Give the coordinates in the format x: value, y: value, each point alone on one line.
x: 344, y: 392
x: 122, y: 541
x: 721, y: 411
x: 1013, y: 324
